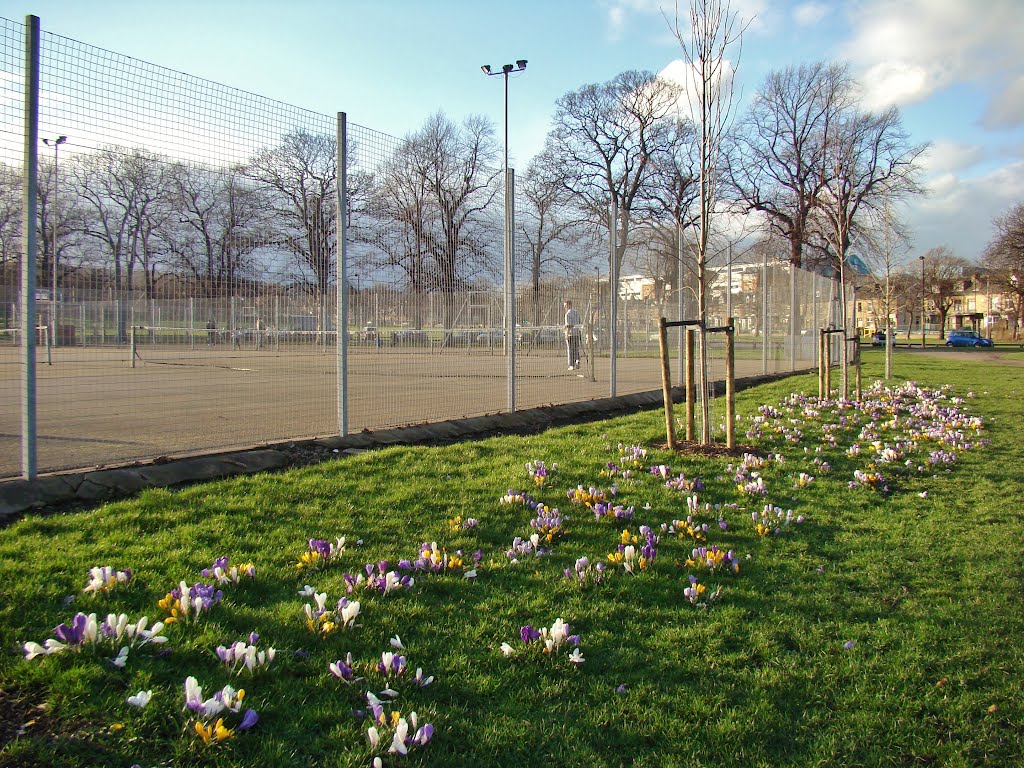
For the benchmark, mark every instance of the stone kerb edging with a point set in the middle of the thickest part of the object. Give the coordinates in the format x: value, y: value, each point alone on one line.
x: 94, y: 486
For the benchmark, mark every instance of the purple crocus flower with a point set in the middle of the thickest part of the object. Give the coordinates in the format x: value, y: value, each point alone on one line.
x: 249, y: 719
x: 528, y: 634
x: 74, y: 634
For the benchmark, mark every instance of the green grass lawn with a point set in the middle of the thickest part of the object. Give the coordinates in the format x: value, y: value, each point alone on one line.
x: 884, y: 629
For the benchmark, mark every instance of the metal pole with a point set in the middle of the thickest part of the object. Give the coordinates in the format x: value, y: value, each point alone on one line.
x: 922, y: 301
x: 730, y: 383
x: 728, y: 295
x: 613, y: 296
x: 29, y: 250
x: 764, y: 314
x: 681, y: 292
x: 341, y: 250
x: 510, y: 282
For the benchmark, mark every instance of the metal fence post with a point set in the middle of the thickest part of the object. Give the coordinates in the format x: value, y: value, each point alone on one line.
x: 341, y: 252
x: 613, y: 297
x: 510, y: 285
x: 28, y: 250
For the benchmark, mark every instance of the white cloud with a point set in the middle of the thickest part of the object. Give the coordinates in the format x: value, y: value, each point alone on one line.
x: 958, y: 211
x: 905, y: 50
x: 809, y: 14
x: 950, y: 157
x: 1006, y: 110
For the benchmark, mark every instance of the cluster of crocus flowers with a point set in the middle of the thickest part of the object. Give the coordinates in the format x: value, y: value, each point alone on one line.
x: 512, y: 496
x: 223, y: 572
x: 322, y: 621
x: 629, y: 556
x: 321, y: 553
x: 661, y: 471
x: 713, y: 559
x: 698, y: 594
x: 584, y: 572
x: 752, y: 486
x: 437, y: 560
x: 632, y: 456
x: 406, y: 735
x: 187, y: 603
x: 242, y: 656
x: 529, y: 547
x: 871, y: 478
x: 548, y: 523
x: 104, y: 578
x: 608, y: 509
x: 86, y: 632
x: 803, y: 480
x: 457, y: 523
x: 226, y: 703
x: 550, y: 641
x: 588, y: 497
x: 540, y: 472
x: 684, y: 484
x: 773, y: 521
x: 690, y: 529
x: 611, y: 469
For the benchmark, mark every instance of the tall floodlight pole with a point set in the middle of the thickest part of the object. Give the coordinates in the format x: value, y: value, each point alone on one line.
x: 510, y: 277
x: 922, y: 300
x: 53, y: 206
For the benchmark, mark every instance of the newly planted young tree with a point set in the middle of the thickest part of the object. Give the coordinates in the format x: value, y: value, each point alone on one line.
x: 712, y: 31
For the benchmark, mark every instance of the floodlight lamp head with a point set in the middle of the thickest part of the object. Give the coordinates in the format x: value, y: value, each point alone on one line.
x: 521, y: 63
x: 506, y: 68
x: 486, y: 69
x: 61, y: 139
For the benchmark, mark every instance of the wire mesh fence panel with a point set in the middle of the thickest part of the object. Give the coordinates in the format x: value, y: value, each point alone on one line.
x: 187, y: 274
x: 185, y: 293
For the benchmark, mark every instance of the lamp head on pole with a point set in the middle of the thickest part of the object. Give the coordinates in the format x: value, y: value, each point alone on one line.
x: 486, y: 69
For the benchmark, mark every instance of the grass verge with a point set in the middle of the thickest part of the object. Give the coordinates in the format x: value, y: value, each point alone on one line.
x: 883, y: 630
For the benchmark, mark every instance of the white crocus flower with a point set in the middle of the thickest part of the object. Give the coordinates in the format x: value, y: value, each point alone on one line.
x: 121, y: 659
x: 34, y: 649
x: 140, y: 699
x: 396, y: 642
x: 576, y: 657
x: 507, y: 649
x: 398, y: 742
x: 372, y: 736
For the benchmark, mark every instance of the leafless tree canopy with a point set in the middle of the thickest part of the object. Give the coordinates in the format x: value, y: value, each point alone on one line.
x: 604, y: 138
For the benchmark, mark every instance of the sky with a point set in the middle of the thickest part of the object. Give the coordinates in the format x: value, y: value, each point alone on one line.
x: 955, y: 69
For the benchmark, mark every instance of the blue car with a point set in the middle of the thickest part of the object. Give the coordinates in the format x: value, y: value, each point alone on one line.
x: 966, y: 338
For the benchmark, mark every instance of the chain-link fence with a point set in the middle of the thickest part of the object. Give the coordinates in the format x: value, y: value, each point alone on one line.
x: 186, y: 292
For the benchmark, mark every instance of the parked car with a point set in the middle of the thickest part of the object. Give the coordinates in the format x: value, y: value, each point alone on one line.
x: 963, y: 337
x: 878, y: 339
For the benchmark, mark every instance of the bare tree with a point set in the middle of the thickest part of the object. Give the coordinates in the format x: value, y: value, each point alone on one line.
x: 1004, y: 259
x: 945, y: 275
x: 885, y: 248
x: 713, y: 30
x: 298, y: 180
x: 214, y: 229
x: 669, y: 206
x: 777, y: 159
x: 870, y: 164
x: 123, y: 192
x: 604, y: 137
x: 10, y: 224
x: 435, y: 191
x: 547, y: 222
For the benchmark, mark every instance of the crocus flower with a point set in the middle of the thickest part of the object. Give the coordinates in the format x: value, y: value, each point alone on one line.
x: 140, y: 699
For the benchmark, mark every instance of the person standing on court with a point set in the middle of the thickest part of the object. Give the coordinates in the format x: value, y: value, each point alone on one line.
x: 572, y: 335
